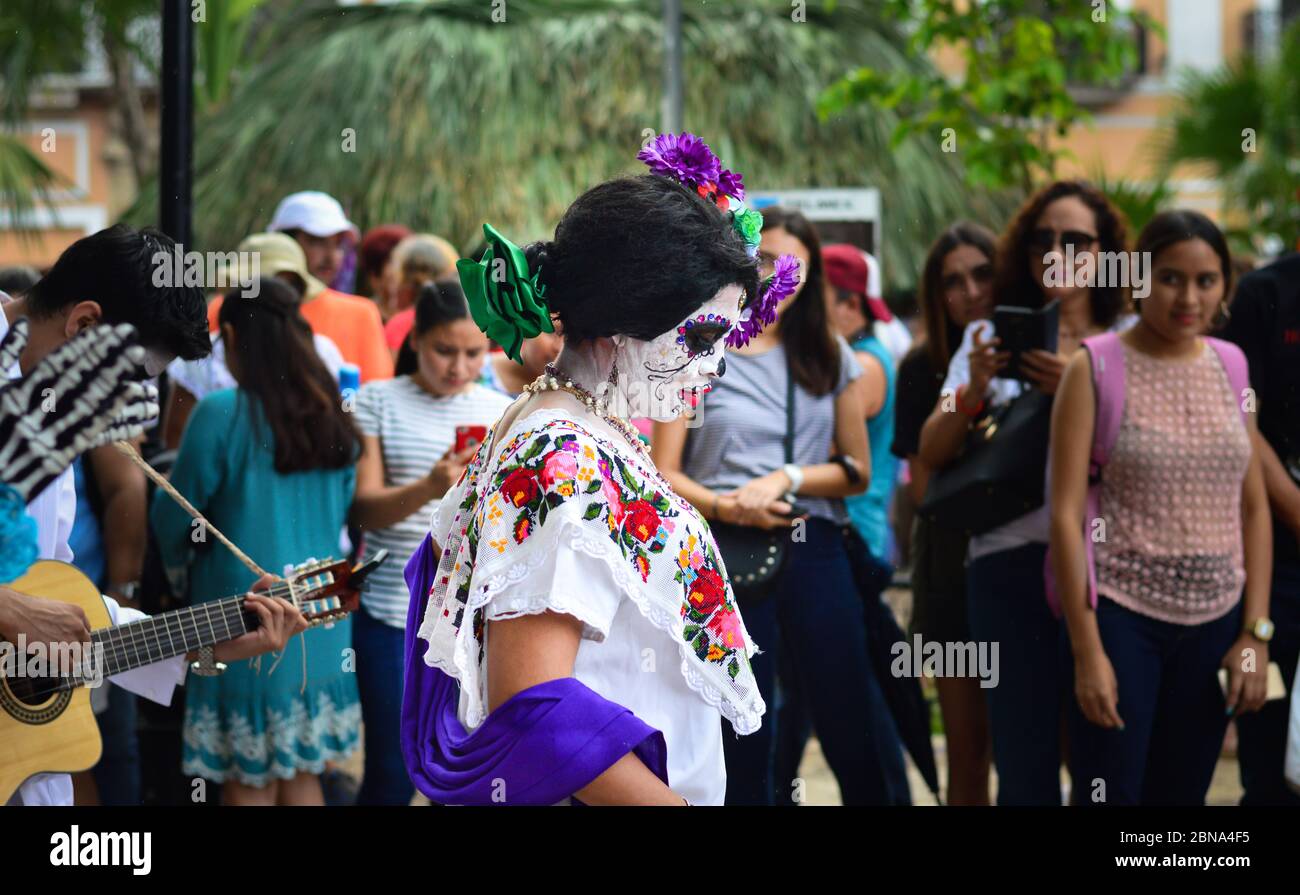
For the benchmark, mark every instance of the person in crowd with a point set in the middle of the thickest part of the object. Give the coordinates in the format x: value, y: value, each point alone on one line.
x: 566, y: 591
x: 1005, y: 587
x: 1265, y: 323
x: 352, y: 323
x: 956, y: 289
x: 108, y: 544
x: 375, y: 249
x: 853, y: 315
x: 1186, y: 519
x: 888, y: 330
x: 272, y: 465
x: 410, y: 459
x: 730, y: 463
x: 17, y: 279
x: 192, y: 380
x: 417, y: 260
x: 116, y: 267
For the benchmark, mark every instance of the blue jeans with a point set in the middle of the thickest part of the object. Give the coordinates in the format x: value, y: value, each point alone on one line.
x: 381, y: 650
x: 1007, y: 606
x: 814, y: 622
x: 1170, y: 702
x: 1261, y: 736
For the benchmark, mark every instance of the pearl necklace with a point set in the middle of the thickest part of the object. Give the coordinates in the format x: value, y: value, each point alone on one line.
x: 552, y: 380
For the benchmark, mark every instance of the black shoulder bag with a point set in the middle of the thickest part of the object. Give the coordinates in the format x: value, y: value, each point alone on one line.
x: 754, y: 556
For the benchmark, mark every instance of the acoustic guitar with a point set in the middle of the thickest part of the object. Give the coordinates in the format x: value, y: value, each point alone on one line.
x: 46, y: 724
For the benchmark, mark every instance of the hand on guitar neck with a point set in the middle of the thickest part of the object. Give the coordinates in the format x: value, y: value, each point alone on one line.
x: 279, y: 619
x: 47, y: 621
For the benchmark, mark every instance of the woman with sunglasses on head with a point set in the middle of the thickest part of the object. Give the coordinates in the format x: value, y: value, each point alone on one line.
x: 956, y: 290
x: 571, y: 634
x: 1067, y: 221
x: 1186, y: 525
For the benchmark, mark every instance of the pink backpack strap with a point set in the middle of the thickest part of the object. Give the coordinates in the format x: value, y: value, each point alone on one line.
x: 1238, y: 370
x: 1106, y: 354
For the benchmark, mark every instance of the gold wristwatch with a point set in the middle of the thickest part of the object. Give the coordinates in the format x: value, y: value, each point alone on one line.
x: 1261, y: 629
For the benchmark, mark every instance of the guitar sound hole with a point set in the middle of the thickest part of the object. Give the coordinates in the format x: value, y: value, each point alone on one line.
x: 33, y: 691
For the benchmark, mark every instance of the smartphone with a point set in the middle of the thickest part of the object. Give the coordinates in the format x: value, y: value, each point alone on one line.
x: 1276, y: 687
x: 1025, y: 329
x: 468, y: 437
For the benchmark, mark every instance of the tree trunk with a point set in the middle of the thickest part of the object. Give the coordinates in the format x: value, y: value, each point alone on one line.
x: 127, y: 102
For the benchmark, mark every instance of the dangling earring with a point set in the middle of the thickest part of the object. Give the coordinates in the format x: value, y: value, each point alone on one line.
x: 1224, y: 314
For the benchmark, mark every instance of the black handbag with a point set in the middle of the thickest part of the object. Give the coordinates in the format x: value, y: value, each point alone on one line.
x: 1000, y: 473
x: 754, y: 556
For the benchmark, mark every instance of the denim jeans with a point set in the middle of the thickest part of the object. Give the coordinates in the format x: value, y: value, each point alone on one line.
x: 814, y: 623
x: 1261, y: 736
x: 1170, y: 702
x: 1007, y: 606
x: 381, y: 650
x: 117, y: 774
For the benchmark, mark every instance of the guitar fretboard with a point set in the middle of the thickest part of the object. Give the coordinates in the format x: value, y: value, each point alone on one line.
x: 160, y: 637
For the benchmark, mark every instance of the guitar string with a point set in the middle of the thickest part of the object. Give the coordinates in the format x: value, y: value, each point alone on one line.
x: 123, y: 647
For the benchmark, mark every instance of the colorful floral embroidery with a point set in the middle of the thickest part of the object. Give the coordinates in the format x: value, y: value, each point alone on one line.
x: 712, y: 624
x: 539, y: 470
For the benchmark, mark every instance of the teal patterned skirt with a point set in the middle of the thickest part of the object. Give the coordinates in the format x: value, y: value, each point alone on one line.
x: 255, y: 726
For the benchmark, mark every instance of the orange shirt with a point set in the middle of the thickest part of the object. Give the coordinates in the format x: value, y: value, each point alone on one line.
x: 351, y: 322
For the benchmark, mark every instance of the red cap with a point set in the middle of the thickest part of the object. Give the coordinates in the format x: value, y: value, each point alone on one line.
x: 852, y: 270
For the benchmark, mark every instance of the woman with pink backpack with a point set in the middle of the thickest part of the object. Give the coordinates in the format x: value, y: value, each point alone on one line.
x: 1159, y: 525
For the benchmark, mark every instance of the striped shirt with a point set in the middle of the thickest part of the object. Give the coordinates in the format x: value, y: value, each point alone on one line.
x: 414, y: 429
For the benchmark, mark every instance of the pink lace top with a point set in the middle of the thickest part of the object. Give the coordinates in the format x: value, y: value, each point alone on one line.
x: 1171, y: 493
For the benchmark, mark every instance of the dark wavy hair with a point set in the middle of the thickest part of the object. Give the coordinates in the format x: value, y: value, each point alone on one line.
x: 1014, y: 284
x: 1179, y: 225
x: 942, y: 335
x: 280, y: 371
x: 439, y: 302
x: 635, y: 256
x: 811, y: 349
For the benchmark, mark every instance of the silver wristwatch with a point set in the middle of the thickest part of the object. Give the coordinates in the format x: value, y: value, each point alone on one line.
x: 207, y: 666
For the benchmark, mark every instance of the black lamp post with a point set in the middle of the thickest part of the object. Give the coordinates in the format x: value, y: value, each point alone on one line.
x: 176, y: 122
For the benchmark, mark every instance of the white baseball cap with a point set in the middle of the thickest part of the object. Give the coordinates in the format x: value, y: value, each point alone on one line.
x: 317, y: 213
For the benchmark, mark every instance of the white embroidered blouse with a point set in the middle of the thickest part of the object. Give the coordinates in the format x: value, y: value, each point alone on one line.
x: 560, y: 518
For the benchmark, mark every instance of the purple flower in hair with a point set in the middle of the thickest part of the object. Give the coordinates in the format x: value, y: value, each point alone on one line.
x: 731, y: 184
x: 686, y: 158
x: 761, y: 312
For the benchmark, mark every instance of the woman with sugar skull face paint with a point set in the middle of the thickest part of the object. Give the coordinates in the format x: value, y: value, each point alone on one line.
x: 568, y: 606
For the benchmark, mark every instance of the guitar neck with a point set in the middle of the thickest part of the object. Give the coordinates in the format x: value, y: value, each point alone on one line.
x: 160, y: 637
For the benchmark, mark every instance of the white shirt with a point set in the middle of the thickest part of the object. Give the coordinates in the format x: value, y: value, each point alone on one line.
x: 209, y: 374
x: 54, y: 510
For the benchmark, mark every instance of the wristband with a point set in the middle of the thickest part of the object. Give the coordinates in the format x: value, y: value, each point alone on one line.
x: 961, y: 405
x: 795, y: 474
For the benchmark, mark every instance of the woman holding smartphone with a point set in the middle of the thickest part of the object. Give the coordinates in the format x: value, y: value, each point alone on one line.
x: 409, y: 460
x: 1006, y: 595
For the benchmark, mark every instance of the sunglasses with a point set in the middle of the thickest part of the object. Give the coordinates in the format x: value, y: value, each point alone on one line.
x: 1045, y: 239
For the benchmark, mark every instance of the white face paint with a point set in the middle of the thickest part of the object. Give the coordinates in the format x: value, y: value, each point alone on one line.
x: 663, y: 378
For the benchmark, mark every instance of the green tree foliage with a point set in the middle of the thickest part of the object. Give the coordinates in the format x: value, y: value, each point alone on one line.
x: 438, y: 116
x: 1243, y: 123
x: 1021, y: 59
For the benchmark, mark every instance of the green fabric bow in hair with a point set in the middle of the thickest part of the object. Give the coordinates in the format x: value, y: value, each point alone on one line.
x: 507, y: 303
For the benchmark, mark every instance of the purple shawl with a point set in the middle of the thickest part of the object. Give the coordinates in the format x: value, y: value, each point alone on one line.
x: 538, y: 748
